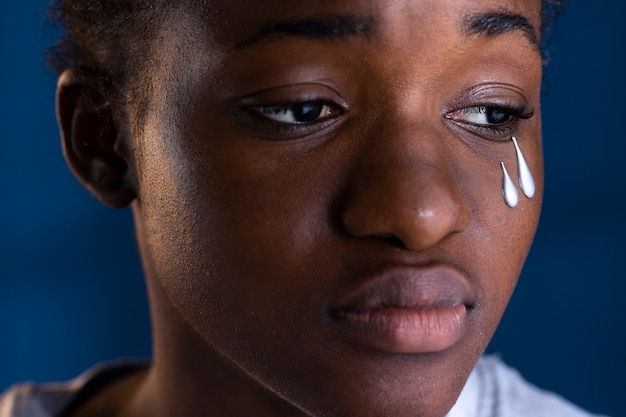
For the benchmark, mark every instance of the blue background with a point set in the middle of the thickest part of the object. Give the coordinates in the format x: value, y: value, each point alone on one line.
x: 71, y: 291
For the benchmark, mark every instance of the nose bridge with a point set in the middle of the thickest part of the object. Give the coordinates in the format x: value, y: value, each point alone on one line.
x: 404, y: 186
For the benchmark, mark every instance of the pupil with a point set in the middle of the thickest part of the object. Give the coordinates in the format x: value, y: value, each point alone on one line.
x: 307, y: 112
x: 496, y: 116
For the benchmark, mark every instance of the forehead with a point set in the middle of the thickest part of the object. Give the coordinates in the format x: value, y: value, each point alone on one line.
x: 204, y: 32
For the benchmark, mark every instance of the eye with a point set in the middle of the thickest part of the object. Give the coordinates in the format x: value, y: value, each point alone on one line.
x: 484, y: 115
x: 299, y: 113
x: 494, y: 121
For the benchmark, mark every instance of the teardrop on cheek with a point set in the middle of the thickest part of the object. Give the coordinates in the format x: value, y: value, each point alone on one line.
x: 526, y: 180
x: 509, y: 191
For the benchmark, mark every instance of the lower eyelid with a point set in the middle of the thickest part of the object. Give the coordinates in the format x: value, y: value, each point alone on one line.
x: 495, y: 133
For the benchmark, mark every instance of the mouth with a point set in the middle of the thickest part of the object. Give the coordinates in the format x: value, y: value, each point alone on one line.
x: 406, y: 310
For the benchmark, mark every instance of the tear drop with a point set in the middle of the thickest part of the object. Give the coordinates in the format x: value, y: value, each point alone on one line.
x: 509, y: 191
x: 526, y: 180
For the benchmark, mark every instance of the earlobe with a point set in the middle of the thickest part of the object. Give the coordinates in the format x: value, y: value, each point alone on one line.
x: 95, y: 142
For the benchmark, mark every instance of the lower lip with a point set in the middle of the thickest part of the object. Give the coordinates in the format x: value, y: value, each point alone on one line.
x: 406, y: 330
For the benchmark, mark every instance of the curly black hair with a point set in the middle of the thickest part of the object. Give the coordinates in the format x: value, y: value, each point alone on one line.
x: 107, y: 35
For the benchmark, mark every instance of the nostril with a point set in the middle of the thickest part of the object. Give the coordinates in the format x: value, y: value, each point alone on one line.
x: 390, y: 239
x: 363, y: 222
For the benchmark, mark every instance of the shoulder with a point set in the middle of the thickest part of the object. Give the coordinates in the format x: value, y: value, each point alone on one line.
x: 54, y: 399
x: 497, y: 390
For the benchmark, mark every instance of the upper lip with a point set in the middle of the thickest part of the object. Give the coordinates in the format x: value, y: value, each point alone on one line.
x: 407, y: 287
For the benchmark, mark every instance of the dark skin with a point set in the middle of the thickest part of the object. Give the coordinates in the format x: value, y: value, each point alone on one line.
x: 319, y: 213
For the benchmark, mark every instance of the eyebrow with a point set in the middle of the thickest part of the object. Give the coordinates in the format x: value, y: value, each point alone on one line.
x: 497, y: 23
x: 316, y: 28
x: 333, y: 28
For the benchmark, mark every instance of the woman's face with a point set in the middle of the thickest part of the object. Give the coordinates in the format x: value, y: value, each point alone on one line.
x: 320, y: 190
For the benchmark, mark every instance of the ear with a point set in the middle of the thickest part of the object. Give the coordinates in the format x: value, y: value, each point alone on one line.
x: 94, y: 138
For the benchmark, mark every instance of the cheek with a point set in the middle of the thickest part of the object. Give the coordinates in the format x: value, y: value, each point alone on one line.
x: 175, y: 225
x: 501, y: 235
x: 227, y: 236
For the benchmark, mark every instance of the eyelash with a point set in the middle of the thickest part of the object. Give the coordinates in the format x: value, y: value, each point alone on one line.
x: 495, y: 131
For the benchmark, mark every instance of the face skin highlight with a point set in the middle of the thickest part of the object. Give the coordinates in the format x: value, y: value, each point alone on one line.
x: 317, y: 193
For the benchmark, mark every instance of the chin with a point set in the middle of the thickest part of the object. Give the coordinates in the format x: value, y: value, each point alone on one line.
x: 374, y: 384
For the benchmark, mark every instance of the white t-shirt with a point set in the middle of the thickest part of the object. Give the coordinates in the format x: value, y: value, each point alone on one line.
x: 497, y: 390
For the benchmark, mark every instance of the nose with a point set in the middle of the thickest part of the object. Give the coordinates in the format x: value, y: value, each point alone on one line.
x: 404, y: 189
